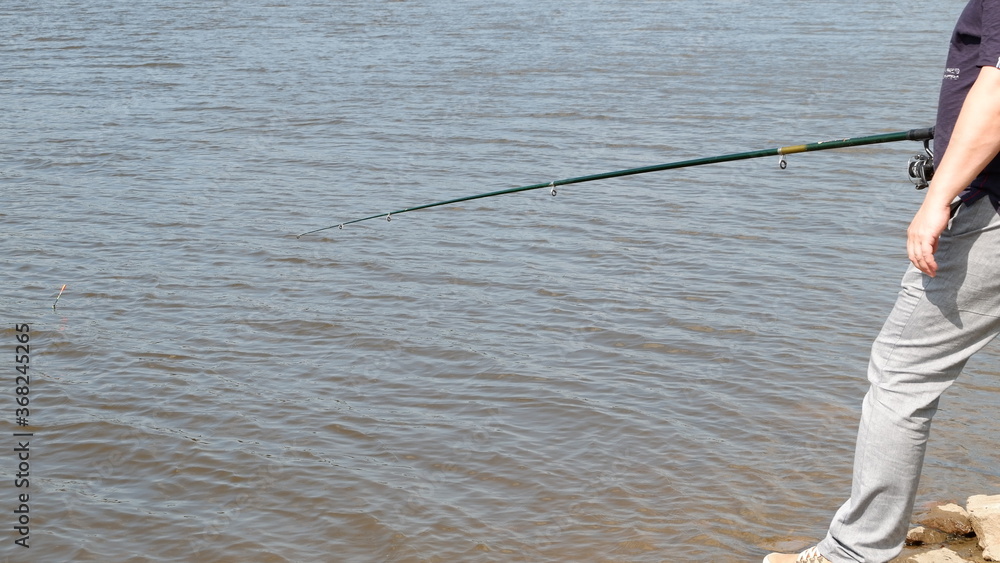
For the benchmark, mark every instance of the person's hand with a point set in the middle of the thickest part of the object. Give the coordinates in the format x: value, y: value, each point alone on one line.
x: 922, y: 236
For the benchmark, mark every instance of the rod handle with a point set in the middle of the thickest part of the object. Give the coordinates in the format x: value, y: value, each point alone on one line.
x: 920, y: 134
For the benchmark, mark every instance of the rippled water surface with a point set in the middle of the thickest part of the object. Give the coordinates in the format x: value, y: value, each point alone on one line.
x: 664, y: 367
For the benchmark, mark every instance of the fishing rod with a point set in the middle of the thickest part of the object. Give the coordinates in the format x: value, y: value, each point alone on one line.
x: 919, y: 165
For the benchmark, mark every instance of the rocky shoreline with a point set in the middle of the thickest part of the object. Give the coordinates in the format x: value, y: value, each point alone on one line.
x: 949, y: 533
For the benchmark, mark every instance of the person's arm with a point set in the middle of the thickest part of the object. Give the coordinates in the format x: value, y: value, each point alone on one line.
x: 974, y: 143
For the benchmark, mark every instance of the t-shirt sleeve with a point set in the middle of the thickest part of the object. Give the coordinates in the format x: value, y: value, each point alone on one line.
x: 989, y: 51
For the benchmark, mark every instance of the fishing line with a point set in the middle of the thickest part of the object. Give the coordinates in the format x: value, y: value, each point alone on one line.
x: 911, y: 135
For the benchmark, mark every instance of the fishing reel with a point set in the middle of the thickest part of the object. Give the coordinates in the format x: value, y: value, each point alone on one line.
x: 921, y: 167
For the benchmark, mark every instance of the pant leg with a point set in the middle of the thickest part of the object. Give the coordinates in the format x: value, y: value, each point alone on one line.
x: 936, y: 325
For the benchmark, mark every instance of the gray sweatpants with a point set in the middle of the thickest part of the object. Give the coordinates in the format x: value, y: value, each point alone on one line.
x: 936, y: 325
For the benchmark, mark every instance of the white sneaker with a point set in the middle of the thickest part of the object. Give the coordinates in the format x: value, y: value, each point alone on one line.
x: 811, y: 555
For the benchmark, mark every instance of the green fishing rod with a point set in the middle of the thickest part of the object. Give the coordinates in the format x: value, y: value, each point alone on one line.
x: 917, y: 166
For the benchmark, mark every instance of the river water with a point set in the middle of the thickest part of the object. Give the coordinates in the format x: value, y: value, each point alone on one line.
x: 664, y: 367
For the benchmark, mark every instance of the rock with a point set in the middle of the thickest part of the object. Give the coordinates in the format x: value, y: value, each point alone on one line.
x: 943, y: 555
x: 922, y: 535
x: 949, y: 518
x: 984, y: 513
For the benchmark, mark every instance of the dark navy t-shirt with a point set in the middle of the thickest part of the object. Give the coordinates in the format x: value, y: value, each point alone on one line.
x: 975, y: 43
